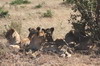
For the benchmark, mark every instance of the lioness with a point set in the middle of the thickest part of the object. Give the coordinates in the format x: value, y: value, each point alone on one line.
x: 12, y: 36
x: 37, y: 38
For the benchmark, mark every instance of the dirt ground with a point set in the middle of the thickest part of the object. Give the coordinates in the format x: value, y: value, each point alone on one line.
x: 31, y: 17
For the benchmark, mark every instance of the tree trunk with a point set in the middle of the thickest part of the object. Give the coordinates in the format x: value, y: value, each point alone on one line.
x: 98, y: 13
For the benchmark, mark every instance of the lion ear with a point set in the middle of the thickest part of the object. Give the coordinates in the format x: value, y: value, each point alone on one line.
x: 52, y: 29
x: 43, y: 30
x: 12, y: 30
x: 38, y: 28
x: 30, y: 29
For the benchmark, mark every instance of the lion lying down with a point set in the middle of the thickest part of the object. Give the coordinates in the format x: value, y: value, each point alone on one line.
x: 35, y: 41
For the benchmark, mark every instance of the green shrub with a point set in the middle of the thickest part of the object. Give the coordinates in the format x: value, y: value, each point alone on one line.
x: 68, y: 1
x: 18, y: 2
x: 88, y: 25
x: 17, y: 26
x: 3, y: 13
x: 38, y: 6
x: 48, y: 13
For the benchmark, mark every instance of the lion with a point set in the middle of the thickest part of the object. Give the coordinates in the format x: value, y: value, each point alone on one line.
x: 37, y: 38
x: 12, y: 36
x: 48, y: 34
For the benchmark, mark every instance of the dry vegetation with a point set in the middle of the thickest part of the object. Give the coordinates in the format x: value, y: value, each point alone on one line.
x: 29, y: 16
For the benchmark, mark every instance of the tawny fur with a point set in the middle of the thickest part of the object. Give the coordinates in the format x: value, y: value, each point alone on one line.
x: 16, y: 36
x: 13, y: 37
x: 25, y: 42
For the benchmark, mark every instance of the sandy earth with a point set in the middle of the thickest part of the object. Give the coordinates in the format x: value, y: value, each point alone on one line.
x: 31, y: 17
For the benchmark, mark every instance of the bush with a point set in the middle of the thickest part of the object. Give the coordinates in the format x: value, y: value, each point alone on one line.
x: 88, y: 24
x: 38, y: 6
x: 68, y: 1
x: 17, y: 26
x: 48, y: 13
x: 18, y: 2
x: 3, y: 13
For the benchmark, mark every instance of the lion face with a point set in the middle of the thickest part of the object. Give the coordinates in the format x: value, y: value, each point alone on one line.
x: 48, y: 34
x: 33, y: 32
x: 37, y: 38
x: 37, y: 31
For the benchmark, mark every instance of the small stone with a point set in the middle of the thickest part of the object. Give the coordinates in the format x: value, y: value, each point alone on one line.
x: 15, y: 46
x: 33, y: 55
x: 68, y: 54
x: 29, y: 52
x: 63, y: 55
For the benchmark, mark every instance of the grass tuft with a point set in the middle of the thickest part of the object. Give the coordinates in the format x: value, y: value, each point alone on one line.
x: 38, y: 6
x: 19, y: 2
x: 17, y: 26
x: 48, y: 14
x: 3, y: 12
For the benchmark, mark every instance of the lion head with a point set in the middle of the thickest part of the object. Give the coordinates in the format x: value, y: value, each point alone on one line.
x: 12, y: 36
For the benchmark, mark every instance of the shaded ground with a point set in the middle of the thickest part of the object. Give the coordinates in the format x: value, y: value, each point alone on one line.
x: 14, y: 58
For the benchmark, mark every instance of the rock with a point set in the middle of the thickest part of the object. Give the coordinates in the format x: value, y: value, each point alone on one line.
x: 68, y: 54
x: 15, y: 46
x: 36, y: 54
x: 63, y: 55
x: 33, y: 55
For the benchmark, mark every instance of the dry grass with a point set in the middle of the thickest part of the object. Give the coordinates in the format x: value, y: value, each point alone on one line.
x: 31, y: 17
x: 16, y: 25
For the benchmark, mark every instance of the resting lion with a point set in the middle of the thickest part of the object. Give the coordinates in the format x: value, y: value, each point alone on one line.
x: 12, y: 36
